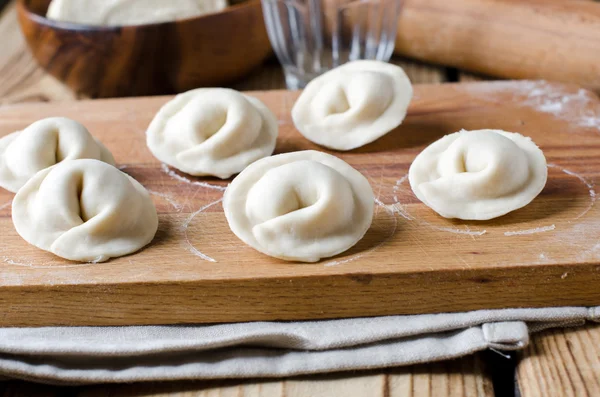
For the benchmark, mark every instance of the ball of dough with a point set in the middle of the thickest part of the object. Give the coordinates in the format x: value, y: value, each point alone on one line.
x: 478, y: 175
x: 84, y: 210
x: 212, y: 131
x: 353, y: 104
x: 299, y: 206
x: 129, y: 12
x: 42, y: 145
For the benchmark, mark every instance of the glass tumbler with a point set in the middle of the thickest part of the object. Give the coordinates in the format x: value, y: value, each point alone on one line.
x: 311, y: 37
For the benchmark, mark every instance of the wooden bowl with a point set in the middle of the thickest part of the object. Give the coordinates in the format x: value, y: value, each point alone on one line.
x: 161, y: 58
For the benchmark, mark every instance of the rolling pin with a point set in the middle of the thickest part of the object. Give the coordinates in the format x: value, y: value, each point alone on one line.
x: 533, y: 39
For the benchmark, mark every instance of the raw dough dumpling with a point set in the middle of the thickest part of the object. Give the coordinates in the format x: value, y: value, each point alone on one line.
x: 43, y: 144
x: 478, y: 175
x: 129, y: 12
x: 84, y: 210
x: 299, y: 206
x: 353, y: 104
x: 212, y: 131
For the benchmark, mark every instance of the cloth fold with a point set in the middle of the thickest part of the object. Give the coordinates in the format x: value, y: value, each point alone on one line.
x: 78, y: 355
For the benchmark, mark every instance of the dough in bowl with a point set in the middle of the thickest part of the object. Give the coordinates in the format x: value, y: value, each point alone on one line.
x: 478, y: 175
x: 43, y: 144
x: 353, y: 104
x: 129, y: 12
x: 84, y: 210
x: 299, y: 206
x: 212, y: 131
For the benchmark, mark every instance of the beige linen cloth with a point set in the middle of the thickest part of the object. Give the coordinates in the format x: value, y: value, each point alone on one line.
x: 79, y: 355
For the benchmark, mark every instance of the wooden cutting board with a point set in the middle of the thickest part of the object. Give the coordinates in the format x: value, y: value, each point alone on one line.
x: 410, y: 261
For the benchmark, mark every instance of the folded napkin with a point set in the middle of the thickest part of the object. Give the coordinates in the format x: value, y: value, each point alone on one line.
x: 79, y: 355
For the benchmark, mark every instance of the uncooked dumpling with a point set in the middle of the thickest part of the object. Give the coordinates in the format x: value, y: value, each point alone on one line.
x: 129, y: 12
x: 84, y: 210
x: 212, y: 131
x: 353, y: 104
x: 43, y: 144
x: 299, y: 206
x: 478, y: 175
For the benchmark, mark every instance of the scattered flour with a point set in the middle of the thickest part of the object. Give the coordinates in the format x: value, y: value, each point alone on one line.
x: 168, y: 198
x: 185, y: 226
x: 400, y: 181
x: 572, y: 107
x: 400, y: 210
x: 589, y: 185
x: 466, y: 231
x: 180, y: 178
x: 335, y: 263
x: 195, y: 251
x: 13, y: 262
x: 578, y: 107
x: 6, y: 259
x: 592, y: 253
x: 531, y: 231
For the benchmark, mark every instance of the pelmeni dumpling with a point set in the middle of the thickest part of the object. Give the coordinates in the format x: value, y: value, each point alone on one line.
x: 299, y: 206
x: 84, y: 210
x: 353, y: 104
x: 212, y: 131
x: 42, y: 145
x: 478, y: 175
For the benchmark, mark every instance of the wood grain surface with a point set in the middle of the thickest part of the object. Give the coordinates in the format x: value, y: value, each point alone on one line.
x: 21, y: 79
x: 466, y: 377
x: 410, y: 261
x: 549, y: 39
x: 151, y: 59
x: 561, y: 363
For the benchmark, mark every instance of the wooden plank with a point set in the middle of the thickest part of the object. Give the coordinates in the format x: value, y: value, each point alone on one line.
x: 550, y: 246
x: 465, y: 377
x: 561, y: 362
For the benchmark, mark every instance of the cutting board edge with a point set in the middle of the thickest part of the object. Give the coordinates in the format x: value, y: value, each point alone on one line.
x: 372, y: 295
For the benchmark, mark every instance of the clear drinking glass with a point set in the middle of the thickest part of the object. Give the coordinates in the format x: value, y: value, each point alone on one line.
x: 311, y: 37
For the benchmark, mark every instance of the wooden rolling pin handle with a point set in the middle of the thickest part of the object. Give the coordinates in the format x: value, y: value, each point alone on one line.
x: 534, y: 39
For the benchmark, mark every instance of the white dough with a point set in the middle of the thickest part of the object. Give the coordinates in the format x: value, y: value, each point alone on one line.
x: 478, y: 175
x: 84, y: 210
x: 212, y: 131
x: 42, y: 145
x: 129, y: 12
x: 299, y: 206
x: 353, y: 104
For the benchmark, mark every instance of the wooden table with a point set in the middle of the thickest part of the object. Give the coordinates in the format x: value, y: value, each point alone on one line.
x: 563, y: 362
